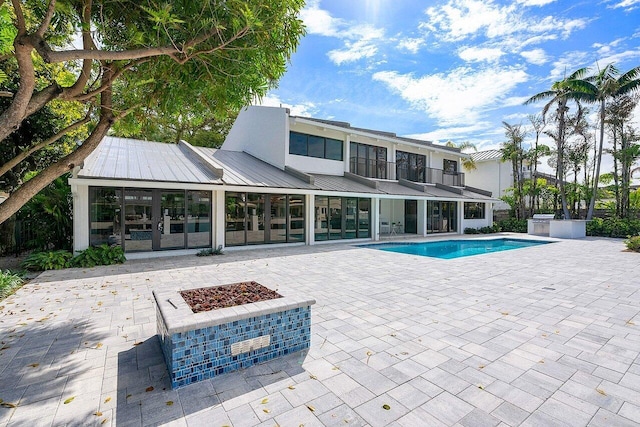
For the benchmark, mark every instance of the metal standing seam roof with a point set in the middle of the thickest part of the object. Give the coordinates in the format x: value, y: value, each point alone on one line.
x: 130, y: 159
x: 482, y: 156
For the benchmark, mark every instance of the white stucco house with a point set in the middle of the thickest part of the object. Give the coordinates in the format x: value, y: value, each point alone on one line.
x: 493, y: 174
x: 277, y: 179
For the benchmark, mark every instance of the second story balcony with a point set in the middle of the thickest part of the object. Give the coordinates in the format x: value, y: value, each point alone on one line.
x: 381, y: 169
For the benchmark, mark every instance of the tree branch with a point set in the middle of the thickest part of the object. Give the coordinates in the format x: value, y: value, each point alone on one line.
x: 20, y: 22
x: 105, y: 83
x: 23, y: 155
x: 47, y: 19
x: 87, y: 43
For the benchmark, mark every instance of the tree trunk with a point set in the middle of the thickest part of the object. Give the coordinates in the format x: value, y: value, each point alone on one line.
x: 594, y: 194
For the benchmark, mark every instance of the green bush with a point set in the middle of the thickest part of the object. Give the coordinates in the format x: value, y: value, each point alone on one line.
x: 613, y: 227
x: 211, y: 251
x: 99, y: 255
x: 9, y: 282
x: 633, y: 243
x: 52, y: 260
x: 482, y: 230
x: 512, y: 225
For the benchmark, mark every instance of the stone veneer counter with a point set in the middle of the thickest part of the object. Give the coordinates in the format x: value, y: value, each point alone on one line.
x: 199, y: 346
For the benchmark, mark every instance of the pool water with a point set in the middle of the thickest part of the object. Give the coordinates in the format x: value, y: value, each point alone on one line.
x: 449, y: 249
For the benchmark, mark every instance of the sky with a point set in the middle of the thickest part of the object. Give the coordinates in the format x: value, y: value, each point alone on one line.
x: 448, y: 69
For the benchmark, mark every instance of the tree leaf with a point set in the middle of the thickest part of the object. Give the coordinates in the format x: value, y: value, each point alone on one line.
x: 264, y: 401
x: 311, y: 408
x: 266, y: 411
x: 69, y: 400
x: 386, y: 407
x: 34, y: 365
x: 107, y: 399
x: 148, y: 389
x: 98, y: 414
x: 169, y: 402
x: 601, y: 391
x: 291, y: 387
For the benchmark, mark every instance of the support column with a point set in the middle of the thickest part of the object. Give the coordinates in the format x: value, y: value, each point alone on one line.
x: 219, y: 218
x: 422, y: 217
x: 81, y: 202
x: 375, y: 219
x: 310, y: 215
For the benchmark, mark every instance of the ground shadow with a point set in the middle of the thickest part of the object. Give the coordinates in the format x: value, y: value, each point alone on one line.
x: 145, y: 397
x: 43, y: 362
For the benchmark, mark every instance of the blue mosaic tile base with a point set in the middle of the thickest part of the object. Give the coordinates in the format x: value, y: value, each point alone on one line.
x: 204, y: 353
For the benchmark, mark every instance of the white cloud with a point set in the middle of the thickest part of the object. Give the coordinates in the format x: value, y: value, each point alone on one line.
x: 535, y: 2
x: 453, y: 133
x: 468, y: 19
x: 628, y: 5
x: 306, y: 109
x: 459, y: 97
x: 475, y: 54
x: 568, y: 63
x: 360, y: 41
x: 535, y: 56
x: 413, y: 45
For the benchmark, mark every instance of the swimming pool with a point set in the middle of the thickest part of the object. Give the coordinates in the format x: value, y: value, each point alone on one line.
x: 449, y: 249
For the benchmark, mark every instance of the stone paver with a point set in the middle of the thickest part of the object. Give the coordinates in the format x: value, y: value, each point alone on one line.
x: 547, y: 335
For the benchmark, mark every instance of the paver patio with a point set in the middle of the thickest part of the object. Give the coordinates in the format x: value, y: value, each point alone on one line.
x: 547, y: 335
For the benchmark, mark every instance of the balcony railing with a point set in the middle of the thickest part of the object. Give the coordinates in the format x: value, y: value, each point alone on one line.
x: 430, y: 176
x: 382, y: 169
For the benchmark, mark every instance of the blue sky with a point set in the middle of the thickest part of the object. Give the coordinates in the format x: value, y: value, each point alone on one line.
x: 449, y: 69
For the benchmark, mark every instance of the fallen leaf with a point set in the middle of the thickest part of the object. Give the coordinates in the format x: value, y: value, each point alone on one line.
x: 99, y: 345
x: 557, y: 332
x: 291, y: 387
x: 99, y: 303
x: 98, y: 414
x: 386, y: 407
x: 148, y: 389
x: 544, y: 335
x: 104, y: 421
x: 128, y: 396
x: 505, y: 313
x: 34, y: 365
x: 630, y: 323
x: 540, y: 361
x: 265, y: 401
x: 599, y: 390
x: 481, y: 367
x: 266, y: 411
x: 311, y: 408
x: 169, y: 402
x: 7, y: 405
x: 335, y: 368
x: 480, y: 386
x: 313, y: 377
x: 107, y: 399
x: 137, y: 343
x: 69, y: 400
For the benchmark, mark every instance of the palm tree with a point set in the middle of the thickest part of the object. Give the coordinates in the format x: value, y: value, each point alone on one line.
x: 512, y: 151
x: 560, y: 94
x: 600, y: 88
x: 467, y: 163
x: 538, y: 124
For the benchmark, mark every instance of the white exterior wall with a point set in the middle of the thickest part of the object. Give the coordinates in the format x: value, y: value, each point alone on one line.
x: 262, y: 132
x: 437, y: 158
x: 494, y: 176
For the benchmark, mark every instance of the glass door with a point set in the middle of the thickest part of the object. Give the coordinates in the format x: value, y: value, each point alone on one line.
x: 171, y: 215
x: 411, y: 216
x: 139, y: 221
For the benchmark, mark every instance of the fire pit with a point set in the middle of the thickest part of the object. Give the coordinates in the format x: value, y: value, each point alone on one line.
x: 210, y: 331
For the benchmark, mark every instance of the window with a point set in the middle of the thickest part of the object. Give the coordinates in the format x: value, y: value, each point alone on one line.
x: 368, y: 160
x: 473, y: 210
x: 450, y: 166
x: 315, y: 146
x: 255, y: 218
x: 341, y: 218
x: 411, y: 166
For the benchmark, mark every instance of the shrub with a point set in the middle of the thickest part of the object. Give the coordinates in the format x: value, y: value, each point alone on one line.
x: 51, y: 260
x: 633, y: 243
x: 9, y: 282
x: 99, y: 255
x: 513, y: 225
x: 470, y: 230
x: 211, y: 251
x: 613, y: 227
x: 482, y: 230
